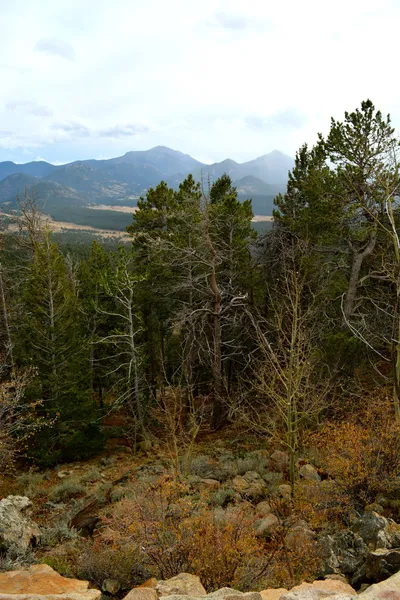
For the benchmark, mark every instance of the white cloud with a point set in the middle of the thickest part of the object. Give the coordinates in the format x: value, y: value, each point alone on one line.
x: 224, y: 78
x: 55, y: 47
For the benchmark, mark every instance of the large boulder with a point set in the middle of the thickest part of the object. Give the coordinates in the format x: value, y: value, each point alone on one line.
x: 16, y: 528
x: 273, y: 593
x: 183, y: 584
x: 41, y: 582
x: 376, y: 531
x: 344, y: 552
x: 385, y: 590
x: 230, y: 594
x: 326, y: 588
x: 142, y: 593
x: 382, y: 563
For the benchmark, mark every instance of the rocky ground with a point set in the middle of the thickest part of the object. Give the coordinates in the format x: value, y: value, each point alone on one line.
x: 79, y: 522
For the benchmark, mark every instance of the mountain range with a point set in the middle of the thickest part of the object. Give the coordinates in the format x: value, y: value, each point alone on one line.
x: 61, y: 189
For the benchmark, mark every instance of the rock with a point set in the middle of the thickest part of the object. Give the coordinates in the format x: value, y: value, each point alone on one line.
x: 267, y: 526
x: 39, y: 582
x: 229, y: 594
x: 385, y: 590
x: 183, y: 584
x: 263, y: 509
x: 210, y: 484
x: 319, y: 589
x: 299, y: 536
x: 250, y: 485
x: 16, y: 528
x: 336, y: 577
x: 64, y: 474
x: 273, y: 594
x: 141, y: 593
x: 222, y: 592
x: 309, y: 473
x: 111, y: 586
x: 149, y: 583
x: 382, y: 563
x: 284, y: 491
x: 240, y: 596
x: 279, y: 462
x: 374, y: 530
x: 344, y: 552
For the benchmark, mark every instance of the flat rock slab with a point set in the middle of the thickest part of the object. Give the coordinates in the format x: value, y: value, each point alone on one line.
x: 41, y: 582
x: 142, y: 593
x: 273, y: 593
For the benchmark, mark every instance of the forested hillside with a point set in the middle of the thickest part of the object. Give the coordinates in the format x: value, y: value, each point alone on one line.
x: 199, y: 334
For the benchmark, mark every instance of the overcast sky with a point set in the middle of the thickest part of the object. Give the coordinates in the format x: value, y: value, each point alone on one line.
x: 212, y: 78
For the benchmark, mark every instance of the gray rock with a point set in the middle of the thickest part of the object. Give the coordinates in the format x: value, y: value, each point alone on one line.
x: 389, y: 590
x: 284, y: 491
x: 344, y: 552
x: 16, y: 528
x: 111, y: 586
x: 266, y: 527
x: 376, y: 531
x: 263, y: 509
x: 309, y: 473
x: 382, y: 563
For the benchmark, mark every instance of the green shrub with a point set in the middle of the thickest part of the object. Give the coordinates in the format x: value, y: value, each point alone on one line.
x: 32, y: 484
x: 66, y: 490
x: 57, y: 532
x: 91, y: 476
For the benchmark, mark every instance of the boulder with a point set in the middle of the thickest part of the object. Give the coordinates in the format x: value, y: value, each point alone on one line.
x: 266, y: 527
x: 309, y: 473
x: 284, y: 492
x: 111, y: 586
x: 16, y: 528
x: 382, y: 563
x: 273, y: 593
x: 376, y: 531
x: 319, y: 589
x: 142, y: 593
x: 385, y: 590
x: 223, y: 592
x: 183, y: 584
x: 299, y: 536
x: 279, y: 462
x: 263, y: 509
x: 229, y: 594
x: 40, y: 582
x: 250, y: 485
x: 344, y: 553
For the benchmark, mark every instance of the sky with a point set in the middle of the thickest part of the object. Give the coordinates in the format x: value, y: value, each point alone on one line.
x: 212, y: 78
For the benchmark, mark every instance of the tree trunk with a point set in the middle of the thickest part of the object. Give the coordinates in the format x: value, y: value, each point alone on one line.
x: 9, y: 350
x: 358, y: 259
